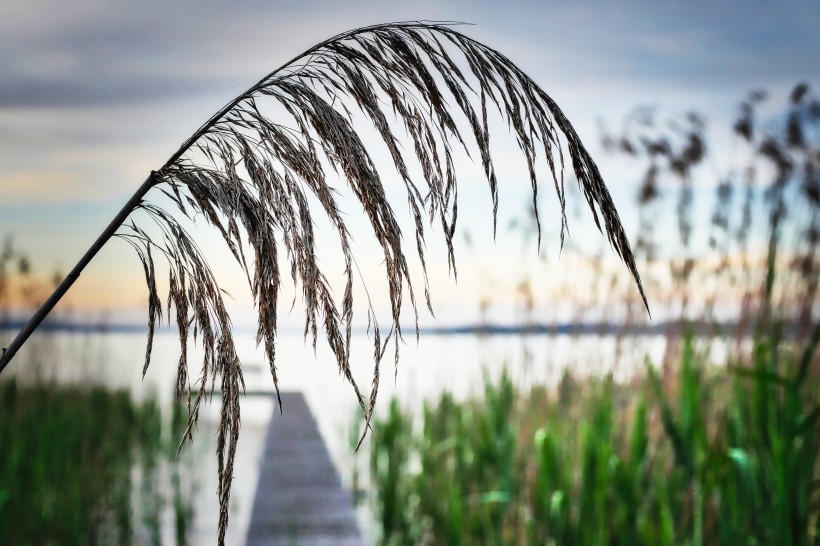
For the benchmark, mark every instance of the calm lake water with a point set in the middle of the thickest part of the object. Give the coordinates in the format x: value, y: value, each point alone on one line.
x: 437, y: 363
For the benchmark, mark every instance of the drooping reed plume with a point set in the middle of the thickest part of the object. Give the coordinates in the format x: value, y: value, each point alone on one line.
x: 427, y: 90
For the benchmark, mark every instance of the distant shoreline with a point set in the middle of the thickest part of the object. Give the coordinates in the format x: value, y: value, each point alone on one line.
x: 565, y: 328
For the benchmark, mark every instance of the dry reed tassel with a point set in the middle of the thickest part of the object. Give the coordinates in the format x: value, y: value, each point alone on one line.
x: 251, y: 178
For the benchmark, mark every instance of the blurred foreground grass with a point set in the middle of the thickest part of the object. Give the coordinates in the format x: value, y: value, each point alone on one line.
x: 701, y: 454
x: 87, y: 465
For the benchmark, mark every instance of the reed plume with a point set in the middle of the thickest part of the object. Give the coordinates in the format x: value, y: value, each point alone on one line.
x: 253, y: 178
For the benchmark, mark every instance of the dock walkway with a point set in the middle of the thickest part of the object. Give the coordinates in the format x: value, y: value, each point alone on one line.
x: 299, y: 498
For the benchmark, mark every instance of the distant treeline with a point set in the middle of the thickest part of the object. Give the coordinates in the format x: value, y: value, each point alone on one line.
x: 697, y: 328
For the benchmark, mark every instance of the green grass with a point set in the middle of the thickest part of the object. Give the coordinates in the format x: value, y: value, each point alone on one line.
x: 83, y: 466
x: 700, y: 454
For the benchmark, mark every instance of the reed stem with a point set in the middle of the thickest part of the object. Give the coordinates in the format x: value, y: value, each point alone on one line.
x: 62, y: 288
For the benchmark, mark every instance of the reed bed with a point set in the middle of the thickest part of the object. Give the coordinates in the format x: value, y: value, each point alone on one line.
x: 87, y: 466
x: 715, y: 454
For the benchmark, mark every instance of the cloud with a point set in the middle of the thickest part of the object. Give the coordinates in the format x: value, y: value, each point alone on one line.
x: 43, y: 187
x: 102, y: 55
x: 99, y: 54
x: 34, y: 92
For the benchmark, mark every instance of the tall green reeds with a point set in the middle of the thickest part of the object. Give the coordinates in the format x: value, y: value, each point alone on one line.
x: 85, y: 466
x: 718, y: 455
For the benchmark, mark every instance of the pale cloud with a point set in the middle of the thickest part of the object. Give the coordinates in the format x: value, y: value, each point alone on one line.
x: 41, y: 187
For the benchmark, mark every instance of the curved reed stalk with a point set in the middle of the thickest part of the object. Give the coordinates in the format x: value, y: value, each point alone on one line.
x: 253, y: 178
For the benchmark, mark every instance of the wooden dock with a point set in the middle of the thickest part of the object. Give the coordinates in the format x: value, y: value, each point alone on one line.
x: 299, y: 498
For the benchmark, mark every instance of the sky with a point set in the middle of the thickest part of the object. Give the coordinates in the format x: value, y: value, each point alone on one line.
x: 95, y: 96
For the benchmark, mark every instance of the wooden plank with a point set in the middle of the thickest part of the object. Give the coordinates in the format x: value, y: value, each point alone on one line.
x: 299, y: 497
